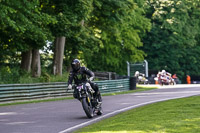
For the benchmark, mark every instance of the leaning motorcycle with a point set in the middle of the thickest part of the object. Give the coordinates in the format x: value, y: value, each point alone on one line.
x: 85, y: 94
x: 142, y: 80
x: 165, y: 80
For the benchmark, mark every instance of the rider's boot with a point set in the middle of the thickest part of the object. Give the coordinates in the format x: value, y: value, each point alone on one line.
x: 99, y: 100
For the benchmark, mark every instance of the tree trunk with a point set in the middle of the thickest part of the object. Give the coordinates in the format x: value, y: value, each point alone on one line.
x: 82, y: 22
x: 58, y: 55
x: 36, y: 66
x: 26, y: 60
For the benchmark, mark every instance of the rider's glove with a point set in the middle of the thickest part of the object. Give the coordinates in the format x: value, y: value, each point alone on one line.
x: 91, y: 78
x: 69, y: 86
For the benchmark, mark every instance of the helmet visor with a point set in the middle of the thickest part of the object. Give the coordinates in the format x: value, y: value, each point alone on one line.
x: 75, y: 66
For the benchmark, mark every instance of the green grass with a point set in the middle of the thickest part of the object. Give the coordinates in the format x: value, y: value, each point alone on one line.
x: 173, y: 116
x: 36, y: 101
x: 65, y: 98
x: 139, y: 88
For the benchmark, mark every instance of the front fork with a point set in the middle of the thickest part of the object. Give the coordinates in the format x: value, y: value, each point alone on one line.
x: 85, y: 95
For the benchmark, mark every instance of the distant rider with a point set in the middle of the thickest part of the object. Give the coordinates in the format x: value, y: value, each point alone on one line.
x: 79, y: 75
x: 166, y: 74
x: 140, y: 77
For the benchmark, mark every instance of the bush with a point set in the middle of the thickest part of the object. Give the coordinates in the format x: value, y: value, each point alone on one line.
x: 63, y: 78
x: 16, y: 75
x: 8, y: 75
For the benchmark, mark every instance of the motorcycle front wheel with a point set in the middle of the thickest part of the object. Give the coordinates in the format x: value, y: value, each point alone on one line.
x: 87, y: 107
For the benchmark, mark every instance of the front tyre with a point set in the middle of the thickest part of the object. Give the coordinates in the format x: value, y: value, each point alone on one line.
x: 87, y: 107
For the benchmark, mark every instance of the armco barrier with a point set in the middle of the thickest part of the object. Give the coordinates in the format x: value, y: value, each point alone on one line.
x: 13, y: 92
x: 109, y: 86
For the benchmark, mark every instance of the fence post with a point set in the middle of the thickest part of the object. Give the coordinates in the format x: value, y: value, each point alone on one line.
x: 146, y: 68
x: 132, y: 83
x: 109, y: 76
x: 128, y: 69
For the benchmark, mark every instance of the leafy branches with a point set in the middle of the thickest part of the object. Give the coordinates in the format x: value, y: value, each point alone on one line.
x: 172, y: 42
x: 121, y: 24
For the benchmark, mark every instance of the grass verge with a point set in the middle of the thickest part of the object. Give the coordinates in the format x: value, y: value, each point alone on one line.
x: 35, y: 101
x: 139, y: 88
x: 173, y: 116
x: 65, y: 98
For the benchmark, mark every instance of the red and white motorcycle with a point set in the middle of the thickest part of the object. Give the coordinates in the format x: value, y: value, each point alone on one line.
x: 166, y: 80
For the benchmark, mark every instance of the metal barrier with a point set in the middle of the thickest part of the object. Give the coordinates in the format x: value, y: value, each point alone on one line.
x: 109, y: 86
x: 105, y: 75
x: 13, y: 92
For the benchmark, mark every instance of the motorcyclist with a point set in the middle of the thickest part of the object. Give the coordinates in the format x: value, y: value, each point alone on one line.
x: 140, y: 77
x: 79, y: 74
x: 164, y: 73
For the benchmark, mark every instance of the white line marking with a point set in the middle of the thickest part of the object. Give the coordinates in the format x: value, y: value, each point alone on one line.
x: 115, y: 112
x: 163, y: 93
x: 19, y: 123
x: 8, y: 113
x: 171, y: 86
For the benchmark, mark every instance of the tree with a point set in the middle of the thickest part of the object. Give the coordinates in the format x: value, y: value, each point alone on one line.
x: 36, y: 64
x: 26, y: 60
x: 70, y: 16
x: 58, y: 55
x: 24, y: 28
x: 119, y: 25
x: 173, y: 41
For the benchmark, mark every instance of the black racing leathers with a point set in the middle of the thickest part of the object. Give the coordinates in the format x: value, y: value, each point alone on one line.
x: 80, y: 76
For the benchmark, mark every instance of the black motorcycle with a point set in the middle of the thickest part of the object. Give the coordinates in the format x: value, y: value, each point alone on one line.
x: 85, y: 94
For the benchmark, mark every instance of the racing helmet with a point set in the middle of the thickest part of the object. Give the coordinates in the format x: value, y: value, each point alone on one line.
x: 137, y: 73
x: 163, y: 71
x: 75, y: 65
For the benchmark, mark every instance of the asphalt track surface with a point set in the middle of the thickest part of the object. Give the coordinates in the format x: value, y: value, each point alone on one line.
x: 67, y: 115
